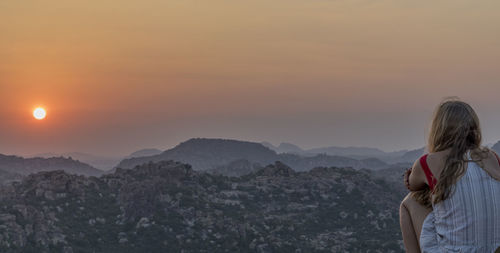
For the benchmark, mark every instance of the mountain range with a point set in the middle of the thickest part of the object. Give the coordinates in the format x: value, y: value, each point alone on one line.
x: 103, y: 163
x: 352, y: 152
x: 210, y: 154
x: 193, y: 150
x: 227, y: 157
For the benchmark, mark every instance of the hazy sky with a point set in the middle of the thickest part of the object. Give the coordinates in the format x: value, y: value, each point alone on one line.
x: 116, y: 76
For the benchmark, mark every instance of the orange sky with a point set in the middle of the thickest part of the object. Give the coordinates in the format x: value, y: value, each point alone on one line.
x: 118, y: 77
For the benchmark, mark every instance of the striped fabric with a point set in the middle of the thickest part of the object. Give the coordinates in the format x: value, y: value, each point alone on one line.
x: 469, y: 220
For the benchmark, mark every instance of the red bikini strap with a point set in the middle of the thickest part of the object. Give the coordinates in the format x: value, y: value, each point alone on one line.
x: 428, y: 174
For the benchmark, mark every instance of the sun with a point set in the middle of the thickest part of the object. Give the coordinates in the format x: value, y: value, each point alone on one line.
x: 39, y: 113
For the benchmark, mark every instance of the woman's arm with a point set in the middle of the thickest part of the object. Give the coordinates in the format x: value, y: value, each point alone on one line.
x: 416, y: 178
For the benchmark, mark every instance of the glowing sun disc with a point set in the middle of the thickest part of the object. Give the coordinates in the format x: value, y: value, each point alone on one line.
x: 39, y: 113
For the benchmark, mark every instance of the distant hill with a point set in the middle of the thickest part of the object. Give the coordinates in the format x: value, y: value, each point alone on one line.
x: 348, y: 151
x: 25, y: 166
x: 217, y: 154
x: 205, y: 154
x: 144, y: 152
x: 359, y: 153
x: 285, y: 147
x: 303, y: 163
x: 412, y: 155
x: 103, y: 163
x: 269, y: 145
x: 100, y: 162
x: 373, y: 163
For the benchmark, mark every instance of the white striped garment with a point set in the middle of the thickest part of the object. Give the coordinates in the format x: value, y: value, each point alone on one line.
x: 467, y: 221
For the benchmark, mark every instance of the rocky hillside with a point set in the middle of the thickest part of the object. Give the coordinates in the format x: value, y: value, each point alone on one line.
x: 169, y: 207
x: 236, y: 168
x: 25, y: 166
x: 7, y: 177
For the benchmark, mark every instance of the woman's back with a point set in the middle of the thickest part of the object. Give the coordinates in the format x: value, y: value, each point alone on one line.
x: 437, y: 161
x: 467, y: 221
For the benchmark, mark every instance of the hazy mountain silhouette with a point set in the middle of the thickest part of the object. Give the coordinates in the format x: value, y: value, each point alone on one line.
x: 285, y: 147
x: 144, y: 152
x: 269, y: 145
x: 348, y: 151
x: 97, y: 161
x: 103, y: 163
x: 25, y: 166
x: 212, y: 154
x: 303, y: 163
x: 412, y: 155
x: 219, y: 155
x: 359, y: 153
x: 205, y: 154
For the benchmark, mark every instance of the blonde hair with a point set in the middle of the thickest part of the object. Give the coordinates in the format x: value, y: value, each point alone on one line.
x: 455, y: 127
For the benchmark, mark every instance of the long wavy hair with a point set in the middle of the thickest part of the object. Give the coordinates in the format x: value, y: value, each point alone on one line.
x: 455, y: 127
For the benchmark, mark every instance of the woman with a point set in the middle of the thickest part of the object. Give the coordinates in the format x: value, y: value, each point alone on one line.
x: 454, y: 204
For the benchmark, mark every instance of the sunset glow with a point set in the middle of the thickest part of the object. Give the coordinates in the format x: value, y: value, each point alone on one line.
x: 314, y: 73
x: 39, y: 113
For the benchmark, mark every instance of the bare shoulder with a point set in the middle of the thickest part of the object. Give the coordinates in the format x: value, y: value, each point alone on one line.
x: 491, y: 164
x: 486, y: 155
x: 417, y: 177
x: 416, y: 164
x: 430, y: 159
x: 436, y: 161
x: 438, y: 156
x: 492, y: 154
